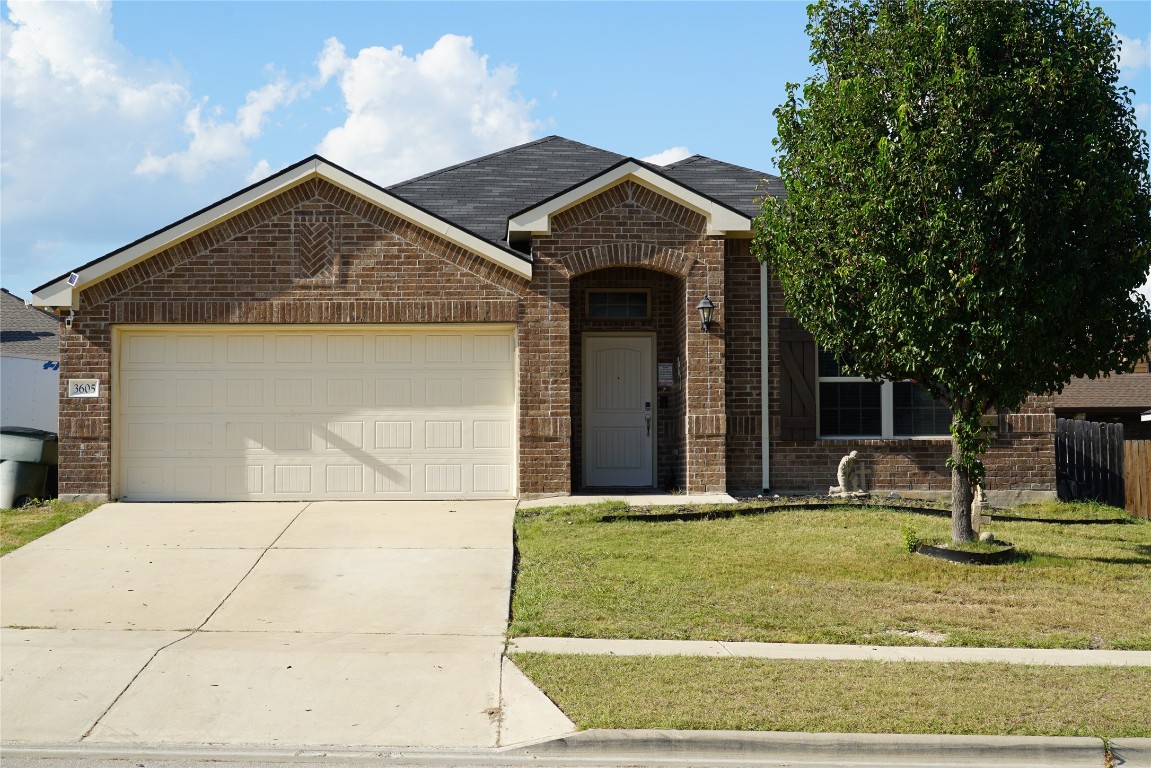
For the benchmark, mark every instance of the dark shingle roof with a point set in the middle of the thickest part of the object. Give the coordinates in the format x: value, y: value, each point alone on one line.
x: 732, y: 185
x: 481, y: 194
x: 1118, y: 391
x: 27, y: 332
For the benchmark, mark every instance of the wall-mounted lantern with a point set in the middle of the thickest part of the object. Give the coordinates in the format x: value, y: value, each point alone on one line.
x: 705, y: 308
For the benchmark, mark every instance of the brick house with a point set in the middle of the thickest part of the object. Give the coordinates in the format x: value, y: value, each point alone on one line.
x: 523, y: 324
x: 1116, y: 398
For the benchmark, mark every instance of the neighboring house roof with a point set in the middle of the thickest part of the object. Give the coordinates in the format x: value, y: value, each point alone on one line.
x: 1119, y: 391
x: 472, y: 203
x: 26, y: 331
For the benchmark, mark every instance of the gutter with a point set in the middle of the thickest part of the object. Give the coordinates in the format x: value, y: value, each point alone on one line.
x: 765, y: 388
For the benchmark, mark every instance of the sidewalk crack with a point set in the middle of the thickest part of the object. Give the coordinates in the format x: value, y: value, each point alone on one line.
x: 165, y: 647
x: 248, y: 573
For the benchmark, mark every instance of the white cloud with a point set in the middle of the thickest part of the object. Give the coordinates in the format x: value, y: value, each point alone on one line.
x: 410, y: 114
x: 668, y: 156
x: 99, y: 146
x: 1134, y: 55
x: 78, y: 111
x: 260, y: 171
x: 217, y: 142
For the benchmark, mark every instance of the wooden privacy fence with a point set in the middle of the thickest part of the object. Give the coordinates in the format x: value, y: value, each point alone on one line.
x: 1137, y: 468
x: 1089, y: 461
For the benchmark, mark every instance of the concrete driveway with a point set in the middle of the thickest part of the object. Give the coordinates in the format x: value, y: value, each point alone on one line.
x: 310, y: 624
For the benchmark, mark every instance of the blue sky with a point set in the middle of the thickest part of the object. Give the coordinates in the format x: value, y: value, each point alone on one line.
x: 118, y: 119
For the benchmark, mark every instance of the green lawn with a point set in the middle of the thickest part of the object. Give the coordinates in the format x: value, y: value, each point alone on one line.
x: 693, y: 693
x: 1056, y: 511
x: 20, y: 526
x: 837, y: 576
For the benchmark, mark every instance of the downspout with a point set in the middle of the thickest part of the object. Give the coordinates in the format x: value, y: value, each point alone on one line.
x: 765, y: 402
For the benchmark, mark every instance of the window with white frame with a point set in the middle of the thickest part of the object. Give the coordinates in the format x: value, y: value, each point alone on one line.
x: 852, y: 406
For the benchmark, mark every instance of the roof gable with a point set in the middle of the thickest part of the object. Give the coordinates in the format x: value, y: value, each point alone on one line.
x: 482, y: 194
x: 481, y: 205
x: 721, y: 218
x: 62, y: 291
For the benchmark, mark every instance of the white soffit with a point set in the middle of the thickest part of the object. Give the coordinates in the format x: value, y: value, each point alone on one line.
x: 720, y: 219
x: 60, y: 294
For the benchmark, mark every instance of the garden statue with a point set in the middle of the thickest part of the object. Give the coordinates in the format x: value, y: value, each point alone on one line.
x: 978, y: 502
x: 849, y: 476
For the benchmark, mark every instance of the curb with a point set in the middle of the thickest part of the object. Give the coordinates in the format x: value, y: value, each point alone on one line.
x: 655, y: 749
x: 665, y: 747
x: 1132, y: 753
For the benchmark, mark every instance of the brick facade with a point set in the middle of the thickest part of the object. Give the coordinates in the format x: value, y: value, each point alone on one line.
x: 744, y: 377
x: 246, y: 271
x: 317, y: 254
x: 1021, y: 459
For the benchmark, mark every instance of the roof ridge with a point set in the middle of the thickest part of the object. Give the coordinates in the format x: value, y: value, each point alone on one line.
x: 685, y: 161
x: 18, y: 303
x: 694, y: 158
x: 474, y: 160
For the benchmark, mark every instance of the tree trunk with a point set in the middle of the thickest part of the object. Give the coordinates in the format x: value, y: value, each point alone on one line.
x: 961, y: 497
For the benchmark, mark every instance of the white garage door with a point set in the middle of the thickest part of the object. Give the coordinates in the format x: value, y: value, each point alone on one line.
x: 223, y: 413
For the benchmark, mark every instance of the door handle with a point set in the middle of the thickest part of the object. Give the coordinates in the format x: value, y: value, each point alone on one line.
x: 647, y: 417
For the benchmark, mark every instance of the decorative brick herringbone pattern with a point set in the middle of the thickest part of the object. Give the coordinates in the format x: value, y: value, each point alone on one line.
x: 315, y: 248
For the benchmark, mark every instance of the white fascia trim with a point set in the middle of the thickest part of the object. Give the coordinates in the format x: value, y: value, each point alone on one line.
x: 60, y: 294
x: 720, y: 220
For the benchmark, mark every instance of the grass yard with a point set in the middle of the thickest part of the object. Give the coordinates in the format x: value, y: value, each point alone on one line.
x: 843, y: 696
x: 20, y: 526
x: 827, y: 576
x: 1056, y: 511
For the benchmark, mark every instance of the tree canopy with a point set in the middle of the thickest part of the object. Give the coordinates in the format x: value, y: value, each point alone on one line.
x: 968, y: 203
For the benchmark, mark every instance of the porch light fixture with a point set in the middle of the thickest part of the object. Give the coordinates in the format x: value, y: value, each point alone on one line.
x: 705, y: 308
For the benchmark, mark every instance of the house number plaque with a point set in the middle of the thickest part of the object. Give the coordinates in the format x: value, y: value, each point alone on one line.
x: 83, y: 387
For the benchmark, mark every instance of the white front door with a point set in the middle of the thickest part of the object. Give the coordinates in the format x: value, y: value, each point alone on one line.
x: 619, y: 421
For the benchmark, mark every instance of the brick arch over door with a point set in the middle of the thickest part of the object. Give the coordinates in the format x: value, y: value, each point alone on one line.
x: 672, y: 261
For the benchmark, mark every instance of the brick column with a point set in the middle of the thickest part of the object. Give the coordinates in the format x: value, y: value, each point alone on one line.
x: 85, y: 423
x: 544, y: 384
x: 704, y: 378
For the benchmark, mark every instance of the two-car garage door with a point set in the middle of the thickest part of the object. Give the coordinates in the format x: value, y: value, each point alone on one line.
x: 227, y: 413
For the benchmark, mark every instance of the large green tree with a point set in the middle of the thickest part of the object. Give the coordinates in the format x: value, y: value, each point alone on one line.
x: 968, y: 204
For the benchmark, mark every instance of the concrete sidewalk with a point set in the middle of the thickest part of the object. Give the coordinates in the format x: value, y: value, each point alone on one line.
x: 1049, y: 656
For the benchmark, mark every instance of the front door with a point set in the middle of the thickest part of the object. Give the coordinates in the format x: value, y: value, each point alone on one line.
x: 619, y: 421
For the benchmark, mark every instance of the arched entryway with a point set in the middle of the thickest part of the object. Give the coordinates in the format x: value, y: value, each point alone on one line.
x: 627, y: 379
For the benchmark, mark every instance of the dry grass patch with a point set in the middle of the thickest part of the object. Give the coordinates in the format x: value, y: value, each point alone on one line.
x: 692, y: 693
x: 826, y: 576
x: 20, y: 526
